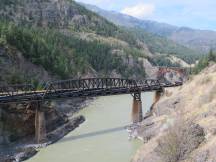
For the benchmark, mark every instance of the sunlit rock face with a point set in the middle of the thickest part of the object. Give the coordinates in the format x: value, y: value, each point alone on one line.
x: 47, y: 13
x: 16, y: 69
x: 17, y: 122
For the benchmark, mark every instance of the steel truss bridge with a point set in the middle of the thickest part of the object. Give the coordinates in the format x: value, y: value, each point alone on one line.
x: 89, y: 87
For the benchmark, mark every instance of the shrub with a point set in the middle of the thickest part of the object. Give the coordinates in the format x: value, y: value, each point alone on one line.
x: 204, y: 62
x: 179, y: 141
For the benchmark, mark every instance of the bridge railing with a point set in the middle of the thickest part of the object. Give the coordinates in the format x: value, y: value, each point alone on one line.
x: 89, y: 84
x: 11, y: 90
x: 103, y: 83
x: 80, y: 87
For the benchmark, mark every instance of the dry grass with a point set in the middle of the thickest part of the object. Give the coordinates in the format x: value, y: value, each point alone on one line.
x: 183, y: 139
x: 179, y: 141
x: 212, y: 93
x: 206, y: 80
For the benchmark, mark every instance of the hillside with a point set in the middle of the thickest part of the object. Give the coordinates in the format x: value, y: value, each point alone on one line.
x: 63, y: 39
x: 199, y: 40
x: 162, y: 29
x: 183, y: 128
x: 203, y: 40
x: 160, y: 45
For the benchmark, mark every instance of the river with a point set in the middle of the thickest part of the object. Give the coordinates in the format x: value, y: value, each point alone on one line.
x: 102, y: 137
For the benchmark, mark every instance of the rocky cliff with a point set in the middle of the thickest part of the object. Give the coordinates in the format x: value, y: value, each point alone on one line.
x: 17, y: 126
x: 60, y: 14
x: 16, y: 69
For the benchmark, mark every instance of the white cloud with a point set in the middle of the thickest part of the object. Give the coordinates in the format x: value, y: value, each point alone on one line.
x: 139, y: 11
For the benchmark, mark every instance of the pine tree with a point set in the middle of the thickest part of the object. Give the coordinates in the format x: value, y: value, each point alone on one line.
x: 211, y: 56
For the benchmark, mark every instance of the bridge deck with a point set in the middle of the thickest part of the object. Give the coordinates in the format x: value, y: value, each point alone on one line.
x: 91, y: 87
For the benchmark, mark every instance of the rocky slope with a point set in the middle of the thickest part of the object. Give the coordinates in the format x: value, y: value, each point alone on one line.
x: 17, y: 126
x: 63, y: 37
x: 150, y: 32
x: 16, y: 69
x: 183, y: 127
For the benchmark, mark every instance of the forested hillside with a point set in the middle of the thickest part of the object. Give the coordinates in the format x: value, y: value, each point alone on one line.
x: 58, y: 39
x: 66, y: 41
x: 161, y: 45
x: 205, y: 61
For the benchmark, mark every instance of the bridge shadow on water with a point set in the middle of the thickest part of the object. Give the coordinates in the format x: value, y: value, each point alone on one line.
x: 92, y: 134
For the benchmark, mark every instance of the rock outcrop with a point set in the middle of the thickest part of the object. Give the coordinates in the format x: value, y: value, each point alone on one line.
x: 17, y: 126
x: 18, y: 121
x: 14, y: 68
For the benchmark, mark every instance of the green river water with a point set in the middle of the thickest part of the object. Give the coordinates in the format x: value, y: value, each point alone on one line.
x: 102, y: 137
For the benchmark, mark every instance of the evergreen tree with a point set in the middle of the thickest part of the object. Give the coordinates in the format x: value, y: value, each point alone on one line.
x: 211, y: 56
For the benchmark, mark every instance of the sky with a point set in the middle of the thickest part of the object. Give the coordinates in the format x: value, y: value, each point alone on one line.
x: 199, y: 14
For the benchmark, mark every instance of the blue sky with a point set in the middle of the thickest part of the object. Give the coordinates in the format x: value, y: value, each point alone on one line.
x: 200, y: 14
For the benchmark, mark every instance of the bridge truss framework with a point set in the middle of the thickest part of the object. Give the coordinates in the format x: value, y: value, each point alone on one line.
x: 90, y: 87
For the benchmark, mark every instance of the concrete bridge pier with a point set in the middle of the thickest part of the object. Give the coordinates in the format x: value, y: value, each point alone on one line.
x: 40, y: 123
x: 157, y: 97
x: 137, y: 115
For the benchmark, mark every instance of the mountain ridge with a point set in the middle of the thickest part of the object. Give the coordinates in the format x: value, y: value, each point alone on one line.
x: 186, y: 36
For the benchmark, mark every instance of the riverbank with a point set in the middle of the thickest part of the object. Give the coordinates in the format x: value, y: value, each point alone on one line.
x: 103, y: 135
x: 18, y: 152
x: 183, y: 126
x: 60, y: 121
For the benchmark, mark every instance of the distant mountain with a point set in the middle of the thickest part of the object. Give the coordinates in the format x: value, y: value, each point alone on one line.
x: 156, y: 43
x: 161, y: 29
x: 202, y: 40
